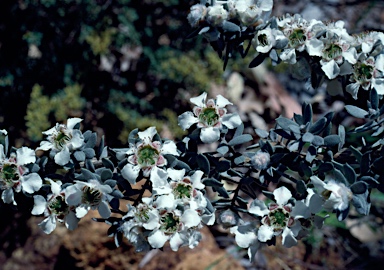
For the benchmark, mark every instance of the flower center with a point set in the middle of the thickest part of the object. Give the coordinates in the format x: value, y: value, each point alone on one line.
x: 57, y: 205
x: 91, y: 196
x: 9, y: 172
x: 169, y: 223
x: 263, y: 39
x: 182, y: 190
x: 147, y: 156
x: 61, y: 138
x: 297, y: 38
x: 332, y: 51
x: 209, y: 117
x: 142, y: 213
x: 363, y: 72
x: 278, y: 218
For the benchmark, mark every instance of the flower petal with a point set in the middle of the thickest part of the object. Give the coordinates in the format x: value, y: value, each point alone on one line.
x: 130, y: 173
x: 82, y: 210
x: 71, y: 122
x: 282, y: 195
x: 157, y: 239
x: 40, y: 205
x: 169, y: 147
x: 177, y: 240
x: 77, y: 140
x: 48, y: 224
x: 71, y: 221
x: 221, y: 101
x: 31, y: 182
x: 186, y: 120
x: 258, y: 208
x: 289, y: 239
x: 231, y: 120
x: 147, y: 135
x: 8, y: 196
x: 264, y: 233
x: 196, y: 180
x: 166, y: 201
x: 45, y: 146
x: 25, y: 155
x: 159, y: 181
x: 200, y: 100
x: 62, y: 158
x: 176, y: 175
x: 104, y: 210
x: 209, y: 134
x: 190, y: 218
x: 331, y: 69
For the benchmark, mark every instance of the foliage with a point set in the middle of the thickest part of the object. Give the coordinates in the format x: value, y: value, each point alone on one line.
x: 309, y: 169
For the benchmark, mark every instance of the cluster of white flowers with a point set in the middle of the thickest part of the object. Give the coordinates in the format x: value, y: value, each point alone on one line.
x: 210, y: 116
x: 361, y: 57
x: 146, y: 155
x: 15, y: 176
x: 175, y: 212
x: 249, y: 12
x: 69, y: 204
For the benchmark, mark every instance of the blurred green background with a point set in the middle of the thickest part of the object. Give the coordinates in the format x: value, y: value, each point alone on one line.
x: 118, y: 64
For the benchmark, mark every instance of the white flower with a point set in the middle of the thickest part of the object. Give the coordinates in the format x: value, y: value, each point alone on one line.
x: 301, y: 36
x: 336, y: 195
x: 14, y: 176
x: 260, y: 160
x: 63, y: 140
x: 209, y: 116
x: 146, y: 155
x: 197, y: 14
x: 266, y: 39
x: 336, y: 50
x: 246, y: 237
x: 216, y: 15
x: 368, y: 73
x: 277, y: 218
x: 252, y: 12
x: 88, y: 195
x: 173, y: 225
x: 54, y: 208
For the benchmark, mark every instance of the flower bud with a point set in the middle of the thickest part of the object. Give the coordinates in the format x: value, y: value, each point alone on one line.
x: 228, y: 218
x: 260, y: 160
x: 197, y: 14
x: 217, y: 15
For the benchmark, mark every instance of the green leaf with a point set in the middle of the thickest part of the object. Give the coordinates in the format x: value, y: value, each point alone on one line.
x: 108, y: 164
x: 308, y: 137
x: 365, y: 163
x: 258, y: 60
x: 284, y: 123
x: 212, y: 182
x: 132, y: 136
x: 374, y: 98
x: 356, y: 111
x: 311, y: 154
x: 223, y: 165
x: 307, y: 113
x: 318, y: 126
x: 301, y: 187
x: 359, y: 187
x: 332, y: 140
x: 91, y: 143
x: 106, y: 174
x: 261, y: 133
x: 239, y: 130
x: 240, y: 139
x: 349, y: 173
x: 203, y: 163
